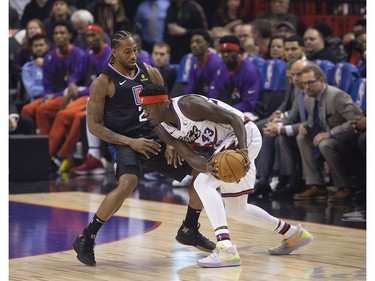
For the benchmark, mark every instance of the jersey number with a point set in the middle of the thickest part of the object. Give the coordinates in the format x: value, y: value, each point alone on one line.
x: 142, y: 117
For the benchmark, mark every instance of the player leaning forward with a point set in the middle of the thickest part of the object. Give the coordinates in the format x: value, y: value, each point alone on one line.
x: 207, y: 122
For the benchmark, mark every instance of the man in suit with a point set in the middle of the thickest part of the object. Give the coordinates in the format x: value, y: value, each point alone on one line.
x: 284, y: 129
x: 330, y: 113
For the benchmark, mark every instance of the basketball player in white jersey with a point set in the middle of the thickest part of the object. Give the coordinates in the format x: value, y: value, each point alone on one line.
x: 195, y: 119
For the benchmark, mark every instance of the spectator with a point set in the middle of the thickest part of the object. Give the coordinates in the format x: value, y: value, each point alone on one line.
x: 216, y: 33
x: 330, y: 113
x: 149, y: 19
x: 205, y: 63
x: 67, y: 122
x: 276, y: 48
x: 279, y: 11
x: 359, y: 26
x: 32, y: 71
x: 80, y: 19
x: 143, y: 55
x: 60, y: 11
x: 14, y: 19
x: 36, y: 9
x: 315, y: 47
x: 24, y: 54
x: 61, y: 75
x: 261, y: 33
x: 161, y: 54
x: 244, y: 32
x: 229, y: 14
x: 355, y: 50
x: 286, y: 29
x: 280, y: 138
x: 111, y: 15
x: 183, y: 16
x: 330, y: 42
x: 294, y: 47
x: 237, y: 81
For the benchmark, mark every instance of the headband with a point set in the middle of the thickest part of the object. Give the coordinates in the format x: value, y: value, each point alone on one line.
x: 153, y: 99
x: 231, y: 46
x: 94, y: 27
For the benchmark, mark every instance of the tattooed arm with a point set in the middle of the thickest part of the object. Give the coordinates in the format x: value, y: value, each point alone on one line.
x: 100, y: 88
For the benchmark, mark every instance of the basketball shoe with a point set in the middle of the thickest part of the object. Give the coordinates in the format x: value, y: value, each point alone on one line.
x: 301, y: 238
x: 66, y: 165
x: 222, y: 256
x: 84, y: 247
x: 192, y: 237
x: 90, y: 166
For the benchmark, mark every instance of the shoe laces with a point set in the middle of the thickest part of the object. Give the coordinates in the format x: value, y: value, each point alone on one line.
x: 217, y: 250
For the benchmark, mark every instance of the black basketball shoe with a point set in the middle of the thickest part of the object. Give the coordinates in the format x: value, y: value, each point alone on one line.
x: 192, y: 237
x: 84, y: 247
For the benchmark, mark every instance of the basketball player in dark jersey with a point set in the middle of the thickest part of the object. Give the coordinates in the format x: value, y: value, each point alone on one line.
x: 115, y: 116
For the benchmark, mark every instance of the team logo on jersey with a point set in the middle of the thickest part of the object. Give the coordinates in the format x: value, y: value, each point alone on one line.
x: 143, y: 78
x: 136, y: 91
x: 191, y: 136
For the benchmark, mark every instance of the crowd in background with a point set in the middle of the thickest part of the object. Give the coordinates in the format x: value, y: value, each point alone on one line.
x: 57, y: 47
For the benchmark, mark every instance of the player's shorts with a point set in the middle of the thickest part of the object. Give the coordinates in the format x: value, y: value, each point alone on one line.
x: 246, y: 184
x: 128, y: 161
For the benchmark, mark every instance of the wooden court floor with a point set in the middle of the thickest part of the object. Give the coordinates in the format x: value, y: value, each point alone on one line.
x: 336, y: 253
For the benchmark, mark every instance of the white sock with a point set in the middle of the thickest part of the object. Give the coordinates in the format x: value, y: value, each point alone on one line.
x: 211, y: 200
x: 237, y: 208
x: 94, y: 144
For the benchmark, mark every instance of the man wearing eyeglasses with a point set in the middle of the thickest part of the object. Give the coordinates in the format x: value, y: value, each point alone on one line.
x: 330, y: 114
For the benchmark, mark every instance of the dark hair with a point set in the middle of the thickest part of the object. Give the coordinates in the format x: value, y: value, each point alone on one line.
x: 229, y: 39
x: 115, y: 41
x: 37, y: 37
x: 162, y: 44
x: 204, y: 33
x: 323, y: 28
x: 153, y: 90
x: 263, y: 26
x: 65, y: 23
x: 295, y: 38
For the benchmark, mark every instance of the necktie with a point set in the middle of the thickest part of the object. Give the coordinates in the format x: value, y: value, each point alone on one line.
x: 316, y: 128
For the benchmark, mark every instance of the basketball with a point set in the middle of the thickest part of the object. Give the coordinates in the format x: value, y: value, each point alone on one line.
x: 231, y: 165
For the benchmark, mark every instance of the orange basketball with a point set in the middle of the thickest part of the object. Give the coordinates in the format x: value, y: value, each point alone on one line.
x: 231, y: 165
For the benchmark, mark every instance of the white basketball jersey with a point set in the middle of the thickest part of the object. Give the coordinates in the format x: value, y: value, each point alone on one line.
x: 201, y: 132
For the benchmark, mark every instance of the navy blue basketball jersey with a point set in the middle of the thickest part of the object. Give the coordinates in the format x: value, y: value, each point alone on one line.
x: 123, y: 113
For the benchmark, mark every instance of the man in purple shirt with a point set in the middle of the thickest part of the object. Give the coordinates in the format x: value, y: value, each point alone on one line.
x: 205, y: 63
x: 237, y: 82
x: 61, y: 76
x: 66, y: 125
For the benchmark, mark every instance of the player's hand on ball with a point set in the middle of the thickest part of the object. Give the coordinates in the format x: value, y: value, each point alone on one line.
x: 245, y: 154
x: 212, y: 168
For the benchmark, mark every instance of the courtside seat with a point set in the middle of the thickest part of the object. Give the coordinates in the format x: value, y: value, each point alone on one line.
x: 258, y: 61
x: 346, y: 74
x: 358, y: 93
x: 273, y: 76
x: 328, y: 68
